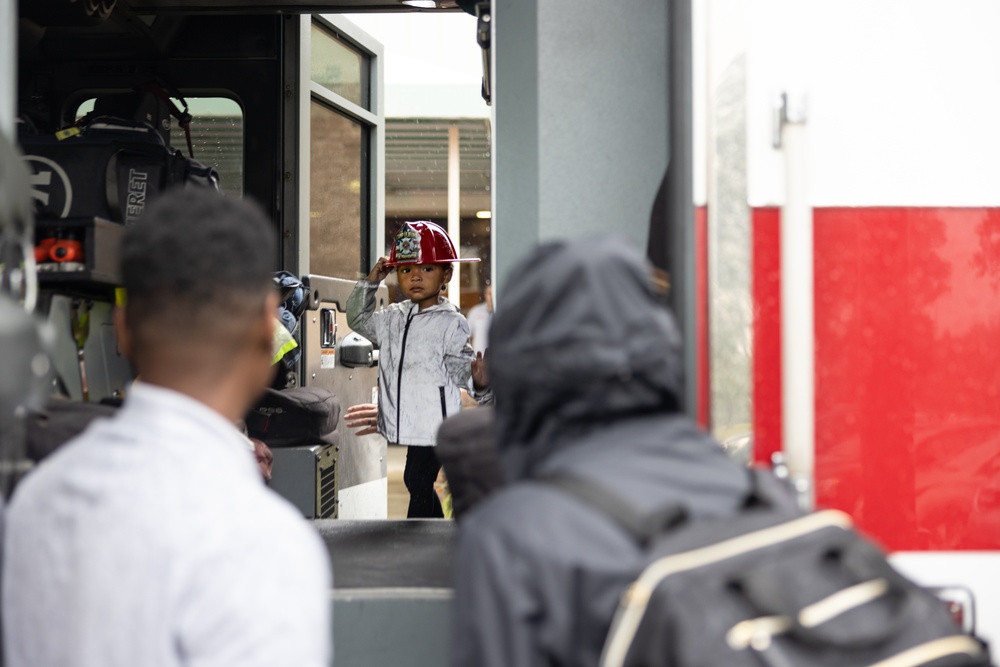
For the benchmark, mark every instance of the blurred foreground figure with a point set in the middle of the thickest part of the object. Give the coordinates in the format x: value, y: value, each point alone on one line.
x: 151, y: 539
x: 586, y: 370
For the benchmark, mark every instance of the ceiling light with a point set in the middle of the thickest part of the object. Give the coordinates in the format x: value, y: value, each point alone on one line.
x: 484, y: 215
x: 422, y: 4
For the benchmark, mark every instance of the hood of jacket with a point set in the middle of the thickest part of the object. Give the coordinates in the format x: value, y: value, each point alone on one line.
x: 579, y: 340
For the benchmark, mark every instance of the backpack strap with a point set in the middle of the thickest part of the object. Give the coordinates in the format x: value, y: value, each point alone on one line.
x: 764, y: 588
x: 767, y: 490
x: 184, y: 117
x: 642, y: 526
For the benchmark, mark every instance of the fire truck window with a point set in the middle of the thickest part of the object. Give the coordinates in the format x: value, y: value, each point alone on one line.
x: 338, y: 67
x: 337, y: 193
x: 216, y: 135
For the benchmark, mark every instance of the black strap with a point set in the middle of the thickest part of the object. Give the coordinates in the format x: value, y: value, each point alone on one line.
x: 642, y: 526
x: 184, y: 117
x: 768, y: 491
x: 765, y: 589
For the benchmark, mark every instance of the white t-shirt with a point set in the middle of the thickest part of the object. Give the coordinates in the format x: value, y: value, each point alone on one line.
x: 479, y: 323
x: 151, y: 540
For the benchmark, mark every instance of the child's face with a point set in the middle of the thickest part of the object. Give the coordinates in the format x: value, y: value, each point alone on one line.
x: 421, y: 283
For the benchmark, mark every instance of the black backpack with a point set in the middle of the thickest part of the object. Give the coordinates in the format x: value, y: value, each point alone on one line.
x: 769, y: 587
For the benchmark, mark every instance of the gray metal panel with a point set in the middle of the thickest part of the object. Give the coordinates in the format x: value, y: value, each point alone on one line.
x: 680, y: 187
x: 392, y: 596
x: 392, y: 627
x: 583, y: 121
x: 411, y: 553
x: 107, y: 370
x: 392, y: 601
x: 361, y: 459
x: 298, y: 476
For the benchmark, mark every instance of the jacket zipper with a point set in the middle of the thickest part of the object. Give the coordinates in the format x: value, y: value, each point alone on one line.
x: 399, y: 376
x: 444, y: 404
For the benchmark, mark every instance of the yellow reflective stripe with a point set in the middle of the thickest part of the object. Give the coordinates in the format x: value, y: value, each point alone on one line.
x: 283, y: 350
x: 283, y: 341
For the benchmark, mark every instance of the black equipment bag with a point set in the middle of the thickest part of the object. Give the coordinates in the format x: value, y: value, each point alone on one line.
x: 770, y: 587
x: 110, y: 168
x: 295, y: 417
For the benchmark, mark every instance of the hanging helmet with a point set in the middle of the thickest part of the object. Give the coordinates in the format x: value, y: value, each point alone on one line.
x: 423, y: 242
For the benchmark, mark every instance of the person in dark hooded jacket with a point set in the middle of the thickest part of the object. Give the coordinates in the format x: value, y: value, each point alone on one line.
x: 587, y: 374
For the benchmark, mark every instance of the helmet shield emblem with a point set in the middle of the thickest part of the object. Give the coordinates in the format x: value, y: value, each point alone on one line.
x: 407, y: 245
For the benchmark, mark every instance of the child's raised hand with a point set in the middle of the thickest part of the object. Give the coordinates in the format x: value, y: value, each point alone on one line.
x: 480, y: 372
x: 379, y: 271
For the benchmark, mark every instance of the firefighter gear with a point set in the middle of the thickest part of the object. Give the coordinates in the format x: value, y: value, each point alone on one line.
x: 423, y: 242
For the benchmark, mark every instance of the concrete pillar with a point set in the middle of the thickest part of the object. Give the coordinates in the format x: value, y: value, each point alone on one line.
x: 580, y: 119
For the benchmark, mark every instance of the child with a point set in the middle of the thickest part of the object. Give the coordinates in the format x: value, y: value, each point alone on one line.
x: 424, y: 354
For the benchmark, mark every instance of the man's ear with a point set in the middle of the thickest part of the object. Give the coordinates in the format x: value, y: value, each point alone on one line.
x: 123, y: 334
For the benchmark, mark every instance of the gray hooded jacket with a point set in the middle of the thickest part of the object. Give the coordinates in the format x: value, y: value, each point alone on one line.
x: 424, y: 361
x: 586, y: 370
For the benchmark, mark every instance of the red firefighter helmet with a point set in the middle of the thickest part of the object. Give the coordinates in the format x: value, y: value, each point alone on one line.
x: 423, y: 242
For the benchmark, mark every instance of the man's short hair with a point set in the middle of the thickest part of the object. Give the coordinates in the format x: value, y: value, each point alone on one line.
x: 196, y: 256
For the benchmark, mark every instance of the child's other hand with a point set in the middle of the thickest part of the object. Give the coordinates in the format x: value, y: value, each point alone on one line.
x: 379, y: 271
x: 480, y: 372
x: 363, y: 417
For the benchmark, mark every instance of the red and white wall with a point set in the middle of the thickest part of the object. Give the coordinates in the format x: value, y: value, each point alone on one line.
x: 902, y: 166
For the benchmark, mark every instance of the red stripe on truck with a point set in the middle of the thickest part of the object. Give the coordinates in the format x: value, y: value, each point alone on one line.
x: 907, y: 314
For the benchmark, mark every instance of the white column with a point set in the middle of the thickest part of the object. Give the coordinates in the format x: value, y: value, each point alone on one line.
x: 8, y: 66
x: 798, y: 393
x: 454, y: 211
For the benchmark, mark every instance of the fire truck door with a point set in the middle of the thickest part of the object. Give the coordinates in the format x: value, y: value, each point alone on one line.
x: 333, y: 202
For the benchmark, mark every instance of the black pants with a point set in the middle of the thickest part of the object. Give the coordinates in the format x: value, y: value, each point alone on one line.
x: 419, y: 475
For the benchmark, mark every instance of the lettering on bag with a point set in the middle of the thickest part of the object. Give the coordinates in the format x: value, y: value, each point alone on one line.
x: 135, y: 202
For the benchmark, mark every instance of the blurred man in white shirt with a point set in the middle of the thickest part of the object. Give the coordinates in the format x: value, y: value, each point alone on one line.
x: 479, y: 318
x: 151, y: 538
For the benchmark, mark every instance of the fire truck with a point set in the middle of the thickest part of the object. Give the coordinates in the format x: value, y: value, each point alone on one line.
x: 848, y: 160
x: 817, y: 180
